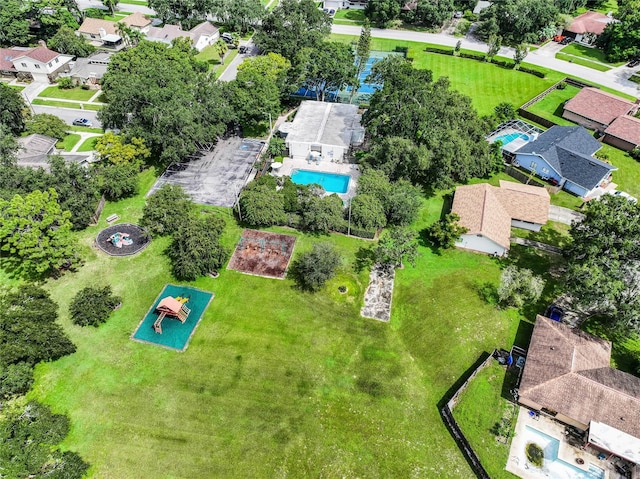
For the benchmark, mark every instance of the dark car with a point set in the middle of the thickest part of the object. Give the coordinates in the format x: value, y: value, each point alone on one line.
x: 634, y: 63
x: 555, y: 313
x: 566, y: 41
x: 82, y: 122
x: 242, y: 49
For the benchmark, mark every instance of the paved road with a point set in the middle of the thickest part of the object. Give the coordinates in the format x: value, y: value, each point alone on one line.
x: 123, y: 7
x: 614, y: 78
x: 232, y: 69
x: 564, y: 215
x: 69, y: 114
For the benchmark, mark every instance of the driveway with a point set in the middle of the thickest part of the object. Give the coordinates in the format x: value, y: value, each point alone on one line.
x: 564, y: 215
x: 231, y: 71
x: 614, y: 81
x: 69, y: 114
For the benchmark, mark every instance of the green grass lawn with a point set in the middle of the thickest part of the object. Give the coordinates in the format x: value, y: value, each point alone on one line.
x: 17, y: 87
x: 228, y: 58
x: 68, y: 141
x: 627, y: 176
x: 88, y: 144
x: 71, y: 94
x: 91, y: 106
x: 274, y: 379
x: 67, y: 104
x: 209, y: 55
x: 115, y: 18
x: 556, y: 234
x: 583, y: 62
x: 588, y: 53
x: 349, y: 17
x: 85, y: 129
x: 480, y: 408
x: 134, y: 2
x: 551, y: 106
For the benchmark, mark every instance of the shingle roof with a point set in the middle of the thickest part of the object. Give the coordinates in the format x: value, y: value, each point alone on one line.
x: 93, y: 26
x: 137, y: 20
x: 34, y: 150
x: 626, y: 128
x: 169, y: 32
x: 568, y: 371
x: 598, y: 105
x: 568, y: 150
x: 7, y: 55
x: 589, y: 22
x: 41, y: 54
x: 488, y: 210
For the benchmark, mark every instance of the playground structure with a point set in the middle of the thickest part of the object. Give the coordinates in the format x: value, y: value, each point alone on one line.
x: 261, y: 253
x: 171, y: 307
x: 119, y: 239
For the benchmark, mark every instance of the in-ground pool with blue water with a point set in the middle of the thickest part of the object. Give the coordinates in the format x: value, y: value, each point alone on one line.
x: 509, y: 137
x: 331, y: 182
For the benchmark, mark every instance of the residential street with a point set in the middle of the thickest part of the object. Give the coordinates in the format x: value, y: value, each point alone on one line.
x: 69, y: 114
x: 123, y: 7
x: 612, y: 79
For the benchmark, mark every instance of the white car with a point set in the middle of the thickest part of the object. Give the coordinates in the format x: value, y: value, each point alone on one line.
x: 624, y: 195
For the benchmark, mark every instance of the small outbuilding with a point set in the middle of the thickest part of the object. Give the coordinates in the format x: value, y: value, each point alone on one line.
x: 323, y: 130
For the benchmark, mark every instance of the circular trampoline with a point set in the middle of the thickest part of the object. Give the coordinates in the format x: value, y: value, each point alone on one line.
x: 123, y: 239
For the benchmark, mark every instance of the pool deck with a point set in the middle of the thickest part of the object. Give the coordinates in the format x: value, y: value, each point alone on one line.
x: 349, y: 169
x: 517, y: 462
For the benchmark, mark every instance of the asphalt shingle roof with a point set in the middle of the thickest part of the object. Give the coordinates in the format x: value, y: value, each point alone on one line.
x: 569, y: 150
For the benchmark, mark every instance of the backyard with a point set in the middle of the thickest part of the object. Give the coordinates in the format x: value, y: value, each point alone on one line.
x: 551, y: 106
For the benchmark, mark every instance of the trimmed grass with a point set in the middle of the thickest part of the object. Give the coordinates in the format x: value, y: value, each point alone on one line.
x: 480, y: 409
x: 567, y: 200
x: 583, y: 62
x: 231, y: 54
x: 551, y: 106
x: 627, y: 176
x: 349, y: 17
x: 135, y: 2
x: 588, y: 53
x: 69, y: 141
x: 115, y: 18
x: 555, y: 234
x: 89, y: 144
x: 71, y: 94
x: 274, y: 379
x: 209, y: 55
x: 57, y: 103
x: 85, y: 129
x: 92, y: 106
x: 17, y: 87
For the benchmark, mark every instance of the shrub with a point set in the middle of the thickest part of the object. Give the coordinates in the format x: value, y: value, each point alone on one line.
x: 15, y: 379
x: 367, y: 212
x: 314, y: 268
x: 65, y: 83
x: 535, y: 454
x: 635, y: 153
x: 519, y: 286
x: 445, y: 232
x: 562, y: 85
x: 92, y: 306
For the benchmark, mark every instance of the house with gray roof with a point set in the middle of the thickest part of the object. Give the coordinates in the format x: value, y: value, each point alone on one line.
x: 90, y: 69
x: 563, y: 155
x: 202, y: 35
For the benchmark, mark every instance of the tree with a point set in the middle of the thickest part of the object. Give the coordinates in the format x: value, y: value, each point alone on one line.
x: 166, y: 209
x: 51, y: 15
x: 519, y: 54
x: 130, y: 36
x: 92, y: 306
x: 444, y: 233
x: 15, y: 379
x: 603, y: 261
x: 162, y: 94
x: 111, y: 5
x: 382, y: 12
x: 118, y: 151
x: 12, y: 109
x: 431, y: 13
x: 117, y: 181
x: 363, y: 50
x: 29, y: 437
x: 221, y: 48
x: 30, y: 333
x: 397, y: 244
x: 66, y: 41
x: 8, y: 148
x: 256, y: 96
x: 35, y: 232
x: 277, y: 146
x: 261, y: 205
x: 367, y: 212
x: 196, y: 249
x: 47, y: 124
x: 519, y: 286
x: 399, y: 158
x: 375, y: 183
x: 14, y: 25
x: 272, y: 66
x: 493, y: 46
x: 330, y: 67
x: 504, y: 111
x: 291, y: 26
x: 186, y: 12
x: 314, y: 268
x: 620, y: 41
x: 322, y: 214
x: 238, y: 15
x: 517, y: 21
x: 403, y: 203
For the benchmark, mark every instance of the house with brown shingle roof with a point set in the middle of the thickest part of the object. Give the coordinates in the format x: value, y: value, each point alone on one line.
x: 96, y: 28
x: 587, y: 27
x: 567, y: 375
x: 39, y: 62
x: 137, y: 21
x: 623, y: 133
x: 596, y: 109
x: 489, y: 213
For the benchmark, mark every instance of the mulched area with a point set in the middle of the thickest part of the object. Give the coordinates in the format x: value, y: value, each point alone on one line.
x: 139, y: 236
x: 263, y: 254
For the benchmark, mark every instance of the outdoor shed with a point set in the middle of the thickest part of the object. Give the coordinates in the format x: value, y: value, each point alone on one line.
x: 323, y: 130
x: 596, y: 109
x: 623, y: 133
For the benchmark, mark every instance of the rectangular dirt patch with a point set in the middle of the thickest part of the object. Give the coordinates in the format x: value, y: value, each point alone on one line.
x: 263, y: 254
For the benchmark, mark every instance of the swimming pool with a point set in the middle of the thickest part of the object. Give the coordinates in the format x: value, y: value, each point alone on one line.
x: 331, y: 182
x: 554, y: 467
x: 509, y: 137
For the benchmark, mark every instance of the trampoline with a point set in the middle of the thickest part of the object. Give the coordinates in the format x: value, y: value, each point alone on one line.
x: 123, y: 239
x: 175, y: 334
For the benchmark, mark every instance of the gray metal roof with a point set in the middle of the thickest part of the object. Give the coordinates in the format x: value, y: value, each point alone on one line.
x: 325, y: 123
x: 569, y: 150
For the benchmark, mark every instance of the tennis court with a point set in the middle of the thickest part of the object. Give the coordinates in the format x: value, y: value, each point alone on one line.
x: 175, y: 334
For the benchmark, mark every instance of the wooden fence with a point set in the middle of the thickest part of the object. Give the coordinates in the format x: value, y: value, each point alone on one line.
x: 521, y: 177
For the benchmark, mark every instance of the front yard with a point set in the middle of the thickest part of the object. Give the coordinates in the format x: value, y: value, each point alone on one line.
x: 71, y: 94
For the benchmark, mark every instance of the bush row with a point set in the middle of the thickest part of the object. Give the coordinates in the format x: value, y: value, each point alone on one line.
x: 294, y: 220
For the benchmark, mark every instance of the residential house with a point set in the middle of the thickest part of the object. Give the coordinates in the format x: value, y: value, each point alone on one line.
x: 587, y: 27
x: 323, y: 131
x: 39, y: 63
x: 564, y: 156
x: 137, y: 21
x: 481, y: 5
x: 201, y: 35
x: 103, y: 33
x: 89, y: 70
x: 623, y: 133
x: 489, y: 213
x: 567, y: 375
x: 94, y: 29
x: 35, y: 151
x: 345, y: 4
x: 596, y: 109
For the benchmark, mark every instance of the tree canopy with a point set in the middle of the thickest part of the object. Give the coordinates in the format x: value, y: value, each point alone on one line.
x: 47, y: 124
x: 238, y: 15
x: 14, y: 24
x: 329, y: 67
x: 166, y: 209
x: 621, y: 40
x: 93, y: 306
x: 314, y: 268
x: 12, y: 109
x: 66, y: 41
x: 186, y: 12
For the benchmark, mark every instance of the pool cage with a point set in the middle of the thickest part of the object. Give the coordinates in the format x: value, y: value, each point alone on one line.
x: 513, y: 126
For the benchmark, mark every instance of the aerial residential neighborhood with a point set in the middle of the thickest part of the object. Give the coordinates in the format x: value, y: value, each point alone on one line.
x: 302, y: 239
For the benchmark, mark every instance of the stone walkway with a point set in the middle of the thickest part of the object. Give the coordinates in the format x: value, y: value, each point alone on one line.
x: 377, y: 298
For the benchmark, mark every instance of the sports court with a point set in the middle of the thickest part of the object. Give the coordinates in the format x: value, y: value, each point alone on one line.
x: 366, y: 89
x: 214, y: 177
x: 176, y: 331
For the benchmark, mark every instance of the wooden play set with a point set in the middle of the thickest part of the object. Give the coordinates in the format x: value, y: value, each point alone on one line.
x: 174, y: 308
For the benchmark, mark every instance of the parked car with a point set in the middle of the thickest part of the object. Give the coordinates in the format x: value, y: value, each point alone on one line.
x: 634, y: 63
x: 558, y: 38
x: 623, y: 194
x: 243, y: 49
x: 458, y: 15
x: 566, y: 41
x: 555, y: 313
x: 332, y: 12
x: 82, y: 122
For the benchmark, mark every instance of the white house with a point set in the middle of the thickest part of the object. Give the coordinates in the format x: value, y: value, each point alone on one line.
x: 40, y: 62
x: 324, y: 131
x: 201, y: 35
x: 489, y: 213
